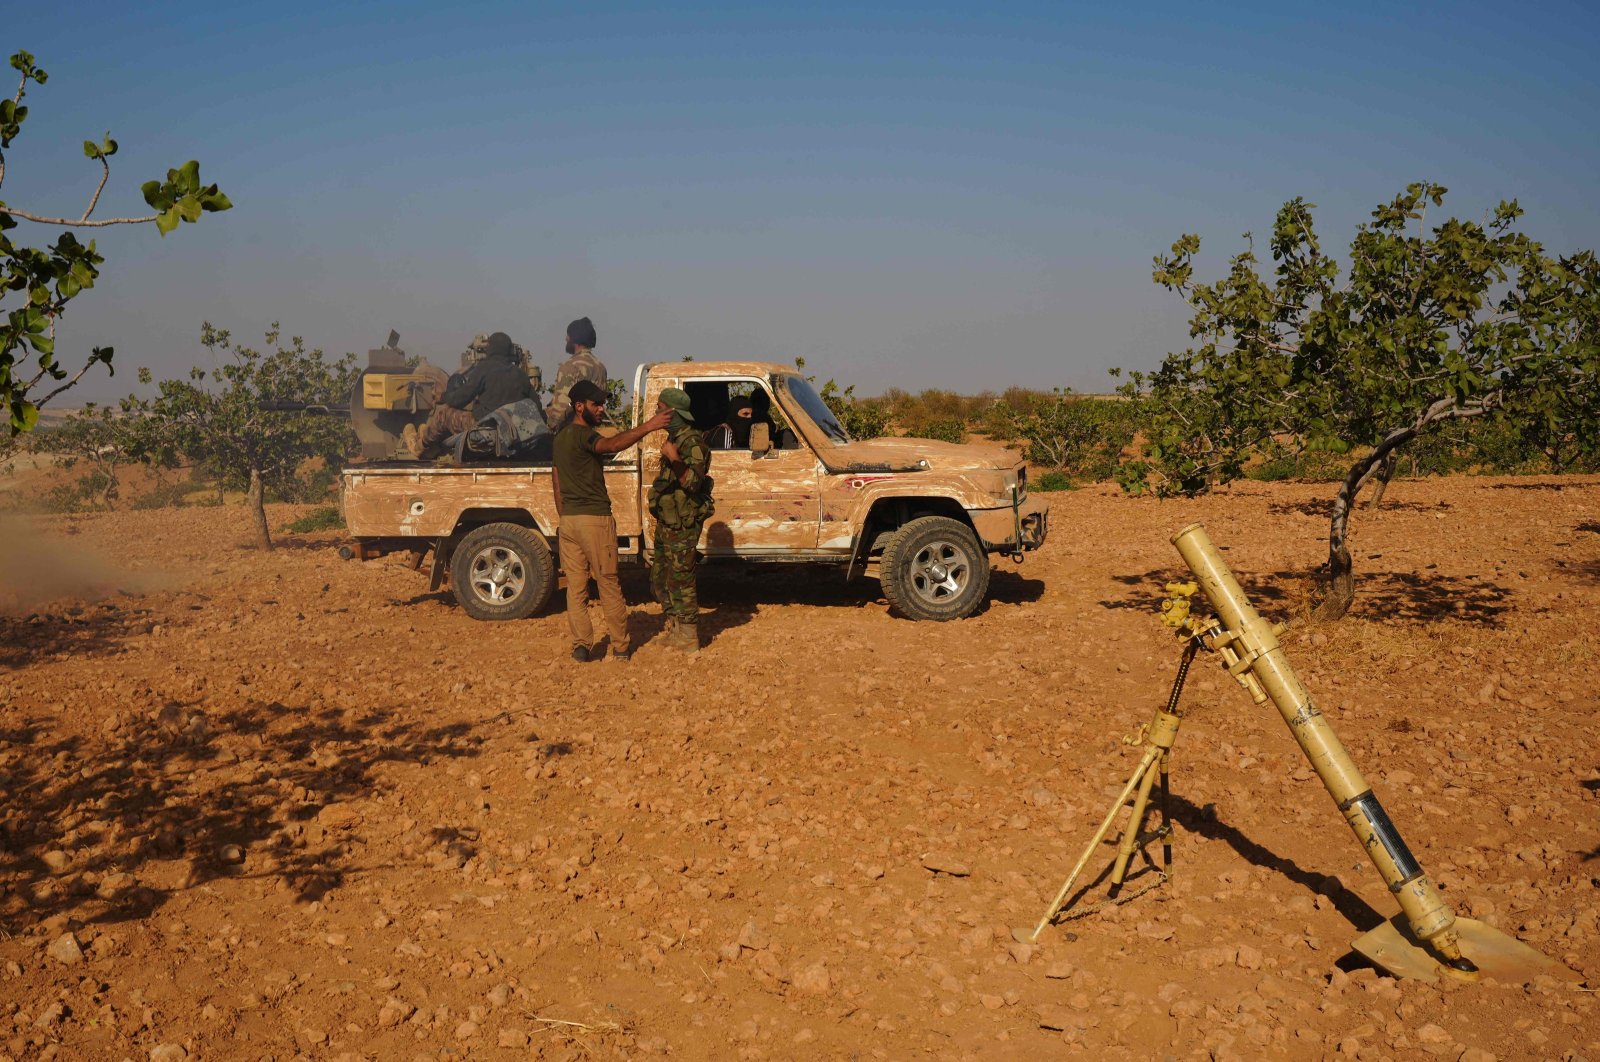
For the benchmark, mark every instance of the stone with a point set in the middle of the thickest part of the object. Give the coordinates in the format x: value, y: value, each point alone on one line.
x: 168, y: 1053
x: 339, y: 817
x: 56, y: 860
x: 1052, y: 1016
x: 945, y: 863
x: 814, y: 980
x: 1433, y: 1034
x: 64, y: 949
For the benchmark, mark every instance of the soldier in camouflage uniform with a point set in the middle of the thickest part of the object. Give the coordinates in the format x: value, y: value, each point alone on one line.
x: 680, y: 500
x: 581, y: 364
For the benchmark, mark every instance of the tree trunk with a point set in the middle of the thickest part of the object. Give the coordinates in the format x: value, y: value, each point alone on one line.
x: 256, y: 499
x: 1386, y: 469
x: 1338, y: 578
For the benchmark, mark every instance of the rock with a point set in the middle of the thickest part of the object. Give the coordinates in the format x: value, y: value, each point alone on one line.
x: 1059, y: 970
x: 1021, y: 953
x: 814, y: 980
x: 230, y: 855
x: 512, y: 1038
x: 393, y: 1012
x: 1477, y: 1054
x: 1248, y: 958
x: 168, y: 1053
x: 339, y: 817
x: 56, y: 860
x: 752, y: 937
x: 466, y: 1030
x: 991, y: 1002
x: 1433, y: 1034
x: 945, y: 863
x: 1053, y: 1016
x: 64, y: 949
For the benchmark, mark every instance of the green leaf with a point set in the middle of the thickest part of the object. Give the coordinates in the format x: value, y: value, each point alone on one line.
x: 153, y: 195
x: 90, y: 150
x: 167, y: 220
x: 24, y: 415
x: 188, y: 208
x: 188, y: 177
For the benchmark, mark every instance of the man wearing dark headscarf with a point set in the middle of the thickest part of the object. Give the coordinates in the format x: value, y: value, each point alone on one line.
x: 495, y: 381
x: 734, y: 434
x: 581, y: 364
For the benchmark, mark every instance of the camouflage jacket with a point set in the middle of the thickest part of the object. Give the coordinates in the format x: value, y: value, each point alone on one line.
x: 581, y: 366
x: 683, y: 503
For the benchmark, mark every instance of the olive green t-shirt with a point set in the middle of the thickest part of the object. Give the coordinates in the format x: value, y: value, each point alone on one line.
x: 583, y: 478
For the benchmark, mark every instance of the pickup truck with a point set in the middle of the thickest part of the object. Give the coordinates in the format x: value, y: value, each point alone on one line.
x: 922, y: 517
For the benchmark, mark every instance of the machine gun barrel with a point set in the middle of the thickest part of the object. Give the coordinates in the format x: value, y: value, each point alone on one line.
x: 317, y: 408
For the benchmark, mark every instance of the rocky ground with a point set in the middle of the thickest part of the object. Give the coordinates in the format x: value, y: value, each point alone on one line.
x: 282, y: 805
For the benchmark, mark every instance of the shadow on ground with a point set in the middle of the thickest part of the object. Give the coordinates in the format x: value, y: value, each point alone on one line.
x: 1401, y: 596
x: 107, y: 829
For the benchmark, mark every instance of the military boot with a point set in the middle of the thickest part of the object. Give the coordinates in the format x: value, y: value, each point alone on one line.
x: 411, y: 439
x: 685, y: 636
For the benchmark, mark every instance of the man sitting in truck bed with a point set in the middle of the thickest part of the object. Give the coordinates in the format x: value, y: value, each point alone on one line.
x: 495, y: 381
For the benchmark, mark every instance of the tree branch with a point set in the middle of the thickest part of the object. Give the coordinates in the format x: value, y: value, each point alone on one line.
x: 83, y: 222
x: 95, y: 199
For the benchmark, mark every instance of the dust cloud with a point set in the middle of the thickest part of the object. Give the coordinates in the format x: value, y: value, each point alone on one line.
x: 39, y: 566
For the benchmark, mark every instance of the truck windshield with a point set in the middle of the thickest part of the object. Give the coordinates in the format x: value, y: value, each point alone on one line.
x: 806, y: 396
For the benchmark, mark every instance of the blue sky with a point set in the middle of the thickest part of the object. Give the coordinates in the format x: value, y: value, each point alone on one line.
x: 923, y: 195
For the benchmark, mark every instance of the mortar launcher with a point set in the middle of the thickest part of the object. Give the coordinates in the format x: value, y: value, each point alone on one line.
x: 1426, y: 940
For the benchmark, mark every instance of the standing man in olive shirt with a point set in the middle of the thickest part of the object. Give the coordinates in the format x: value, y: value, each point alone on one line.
x: 587, y: 540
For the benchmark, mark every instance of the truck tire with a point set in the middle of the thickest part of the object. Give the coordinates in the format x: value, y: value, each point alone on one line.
x: 502, y: 572
x: 934, y: 569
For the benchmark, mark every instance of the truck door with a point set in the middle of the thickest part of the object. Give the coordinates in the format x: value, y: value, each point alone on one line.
x: 766, y: 503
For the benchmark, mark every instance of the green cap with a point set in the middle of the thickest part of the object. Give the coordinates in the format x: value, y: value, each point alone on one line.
x: 678, y: 399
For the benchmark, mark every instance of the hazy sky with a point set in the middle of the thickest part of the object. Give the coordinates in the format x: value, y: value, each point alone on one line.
x: 916, y: 195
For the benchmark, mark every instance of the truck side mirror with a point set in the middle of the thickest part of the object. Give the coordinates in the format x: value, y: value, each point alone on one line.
x: 760, y: 439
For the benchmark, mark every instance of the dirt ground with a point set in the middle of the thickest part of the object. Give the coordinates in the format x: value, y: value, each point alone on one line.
x: 283, y: 805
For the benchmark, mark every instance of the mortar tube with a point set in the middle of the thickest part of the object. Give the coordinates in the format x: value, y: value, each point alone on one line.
x: 1256, y: 643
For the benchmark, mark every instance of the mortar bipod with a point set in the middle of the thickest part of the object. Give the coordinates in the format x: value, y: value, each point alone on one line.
x: 1157, y: 737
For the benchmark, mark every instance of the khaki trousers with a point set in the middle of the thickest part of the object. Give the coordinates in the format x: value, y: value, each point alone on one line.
x: 588, y: 547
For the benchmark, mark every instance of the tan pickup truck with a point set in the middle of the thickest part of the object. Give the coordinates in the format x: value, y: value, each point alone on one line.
x: 920, y: 516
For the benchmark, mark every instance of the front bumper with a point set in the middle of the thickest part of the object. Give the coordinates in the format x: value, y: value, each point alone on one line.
x: 1012, y: 528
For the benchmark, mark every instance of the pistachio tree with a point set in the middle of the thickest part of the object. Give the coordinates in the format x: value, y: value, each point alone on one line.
x: 225, y: 416
x: 1422, y: 328
x: 37, y: 283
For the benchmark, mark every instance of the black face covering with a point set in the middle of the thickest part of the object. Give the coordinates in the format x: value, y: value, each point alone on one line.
x: 739, y: 427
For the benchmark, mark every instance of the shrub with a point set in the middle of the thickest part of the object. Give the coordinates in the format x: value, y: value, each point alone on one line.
x: 950, y: 430
x: 326, y: 518
x: 1050, y: 482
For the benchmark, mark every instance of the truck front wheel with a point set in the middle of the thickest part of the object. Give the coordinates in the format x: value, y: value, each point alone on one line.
x: 502, y: 572
x: 934, y: 569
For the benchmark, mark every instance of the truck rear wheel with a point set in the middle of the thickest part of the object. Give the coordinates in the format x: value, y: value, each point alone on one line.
x: 934, y: 569
x: 502, y: 572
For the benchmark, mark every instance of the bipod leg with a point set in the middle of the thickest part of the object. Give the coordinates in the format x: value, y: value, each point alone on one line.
x: 1160, y: 735
x: 1166, y: 816
x: 1131, y: 835
x: 1163, y: 732
x: 1151, y: 754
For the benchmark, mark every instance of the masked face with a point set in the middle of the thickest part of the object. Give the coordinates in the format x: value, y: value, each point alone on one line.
x: 571, y: 349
